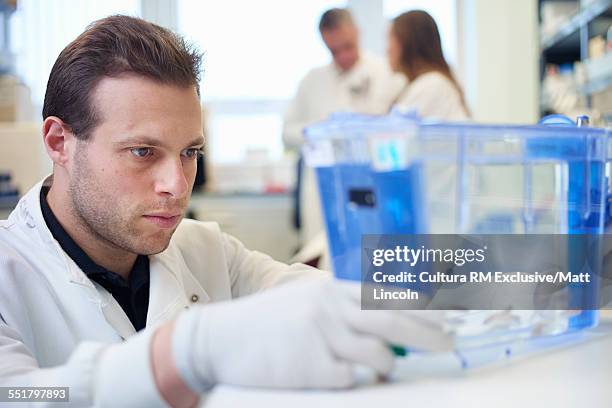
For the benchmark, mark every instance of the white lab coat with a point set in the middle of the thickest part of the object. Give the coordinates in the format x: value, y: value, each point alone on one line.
x: 433, y: 96
x: 55, y: 323
x: 369, y: 87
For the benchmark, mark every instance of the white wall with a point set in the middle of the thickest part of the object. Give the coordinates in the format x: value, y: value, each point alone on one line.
x: 499, y: 47
x: 161, y: 12
x: 372, y: 24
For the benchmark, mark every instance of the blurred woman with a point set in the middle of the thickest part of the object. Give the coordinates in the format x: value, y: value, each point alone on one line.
x: 415, y: 50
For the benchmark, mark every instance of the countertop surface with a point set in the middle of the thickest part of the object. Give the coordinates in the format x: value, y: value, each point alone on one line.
x: 573, y: 373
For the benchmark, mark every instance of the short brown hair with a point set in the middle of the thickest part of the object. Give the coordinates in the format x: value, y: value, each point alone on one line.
x: 333, y: 18
x: 111, y: 47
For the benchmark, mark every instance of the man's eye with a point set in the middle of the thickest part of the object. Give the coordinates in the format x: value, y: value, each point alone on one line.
x: 141, y: 152
x: 191, y: 153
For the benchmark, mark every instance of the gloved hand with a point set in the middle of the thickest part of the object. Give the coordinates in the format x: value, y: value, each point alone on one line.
x: 301, y: 335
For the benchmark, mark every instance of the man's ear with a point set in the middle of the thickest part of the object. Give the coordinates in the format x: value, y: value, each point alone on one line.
x: 57, y: 137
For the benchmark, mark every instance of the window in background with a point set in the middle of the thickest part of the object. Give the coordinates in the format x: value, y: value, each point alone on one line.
x: 40, y: 29
x: 256, y: 52
x: 443, y: 11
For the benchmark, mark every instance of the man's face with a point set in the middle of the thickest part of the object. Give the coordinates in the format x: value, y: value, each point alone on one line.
x: 343, y: 43
x: 131, y: 181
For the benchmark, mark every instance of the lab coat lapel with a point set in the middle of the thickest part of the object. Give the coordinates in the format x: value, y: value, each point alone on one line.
x: 31, y: 217
x: 111, y: 309
x: 173, y: 287
x: 115, y: 315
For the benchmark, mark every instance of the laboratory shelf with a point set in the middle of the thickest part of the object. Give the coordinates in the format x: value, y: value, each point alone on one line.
x: 572, y: 26
x: 598, y: 74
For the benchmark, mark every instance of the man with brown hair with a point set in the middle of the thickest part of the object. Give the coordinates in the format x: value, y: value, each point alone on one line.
x: 98, y: 252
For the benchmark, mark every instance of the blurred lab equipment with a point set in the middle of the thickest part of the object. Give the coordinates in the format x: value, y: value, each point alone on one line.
x: 399, y: 175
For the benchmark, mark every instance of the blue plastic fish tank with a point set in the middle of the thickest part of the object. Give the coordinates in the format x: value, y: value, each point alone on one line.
x: 396, y: 174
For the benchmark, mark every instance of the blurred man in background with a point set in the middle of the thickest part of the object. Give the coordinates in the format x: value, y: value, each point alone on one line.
x: 353, y: 81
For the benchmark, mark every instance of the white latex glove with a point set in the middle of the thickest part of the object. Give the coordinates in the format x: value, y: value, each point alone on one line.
x: 300, y: 335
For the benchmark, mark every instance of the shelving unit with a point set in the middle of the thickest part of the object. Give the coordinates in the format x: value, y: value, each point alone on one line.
x: 6, y: 59
x: 599, y: 73
x: 569, y: 43
x: 573, y: 26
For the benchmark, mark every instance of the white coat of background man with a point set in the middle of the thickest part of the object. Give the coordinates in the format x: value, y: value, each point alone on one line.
x: 353, y: 81
x: 98, y: 268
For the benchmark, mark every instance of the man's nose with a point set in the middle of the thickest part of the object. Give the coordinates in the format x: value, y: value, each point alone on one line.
x: 171, y: 179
